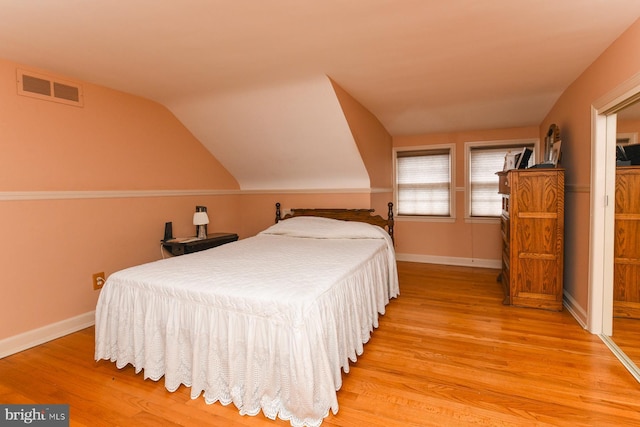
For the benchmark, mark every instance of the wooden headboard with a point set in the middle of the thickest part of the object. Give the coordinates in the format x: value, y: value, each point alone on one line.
x: 361, y: 215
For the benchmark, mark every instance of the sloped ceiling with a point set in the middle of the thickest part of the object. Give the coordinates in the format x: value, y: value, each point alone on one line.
x: 286, y: 136
x: 250, y: 78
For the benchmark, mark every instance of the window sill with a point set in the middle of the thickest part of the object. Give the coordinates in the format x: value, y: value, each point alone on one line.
x: 419, y: 218
x: 482, y: 219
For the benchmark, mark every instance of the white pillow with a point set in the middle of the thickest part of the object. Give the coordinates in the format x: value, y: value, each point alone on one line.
x: 325, y: 228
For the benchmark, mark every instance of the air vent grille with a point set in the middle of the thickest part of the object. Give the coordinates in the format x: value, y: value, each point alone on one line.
x: 36, y: 85
x: 62, y: 91
x: 49, y: 88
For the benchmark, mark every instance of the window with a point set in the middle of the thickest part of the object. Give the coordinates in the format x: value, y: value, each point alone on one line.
x: 423, y: 181
x: 483, y: 161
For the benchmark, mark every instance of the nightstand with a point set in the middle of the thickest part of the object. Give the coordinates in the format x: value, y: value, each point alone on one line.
x: 180, y: 247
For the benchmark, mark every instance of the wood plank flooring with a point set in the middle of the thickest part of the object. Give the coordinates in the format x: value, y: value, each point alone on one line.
x: 447, y: 353
x: 626, y: 335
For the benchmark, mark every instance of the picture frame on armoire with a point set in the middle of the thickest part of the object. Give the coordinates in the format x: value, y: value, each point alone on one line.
x: 509, y: 161
x: 553, y: 136
x: 556, y: 153
x: 523, y: 158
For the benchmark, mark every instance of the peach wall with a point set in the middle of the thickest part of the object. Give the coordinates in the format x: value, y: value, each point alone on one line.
x: 56, y: 246
x: 459, y: 241
x: 57, y: 161
x: 372, y: 139
x: 115, y: 142
x: 572, y: 113
x: 375, y: 146
x: 628, y: 126
x: 456, y: 242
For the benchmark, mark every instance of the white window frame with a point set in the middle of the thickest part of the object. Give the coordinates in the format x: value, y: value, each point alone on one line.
x: 468, y: 146
x: 452, y: 188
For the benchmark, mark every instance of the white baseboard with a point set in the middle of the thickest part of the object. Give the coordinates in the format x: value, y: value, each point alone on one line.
x: 18, y: 343
x: 462, y: 262
x: 576, y: 310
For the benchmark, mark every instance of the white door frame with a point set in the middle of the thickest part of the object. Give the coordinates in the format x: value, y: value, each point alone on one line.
x: 602, y: 201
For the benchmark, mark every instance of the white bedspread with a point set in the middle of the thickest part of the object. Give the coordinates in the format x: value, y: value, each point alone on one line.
x: 267, y: 322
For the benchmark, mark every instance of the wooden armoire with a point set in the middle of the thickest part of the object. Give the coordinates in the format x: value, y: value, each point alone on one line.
x: 532, y: 225
x: 626, y: 265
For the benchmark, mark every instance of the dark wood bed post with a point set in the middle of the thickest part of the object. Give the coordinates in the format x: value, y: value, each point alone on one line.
x: 391, y: 221
x: 277, y: 212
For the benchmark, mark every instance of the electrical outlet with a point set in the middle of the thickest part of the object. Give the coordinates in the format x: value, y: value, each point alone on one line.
x: 98, y: 280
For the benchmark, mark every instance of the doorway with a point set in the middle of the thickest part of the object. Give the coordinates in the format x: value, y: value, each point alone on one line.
x: 601, y: 248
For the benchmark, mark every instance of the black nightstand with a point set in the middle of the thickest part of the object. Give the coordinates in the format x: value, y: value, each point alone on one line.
x: 180, y: 246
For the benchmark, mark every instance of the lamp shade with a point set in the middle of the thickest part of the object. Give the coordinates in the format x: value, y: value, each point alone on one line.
x: 200, y: 218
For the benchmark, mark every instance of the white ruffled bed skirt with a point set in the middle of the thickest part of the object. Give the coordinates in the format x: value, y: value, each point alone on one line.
x: 257, y: 362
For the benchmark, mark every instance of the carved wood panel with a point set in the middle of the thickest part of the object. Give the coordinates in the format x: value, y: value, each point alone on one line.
x: 626, y: 282
x: 536, y: 243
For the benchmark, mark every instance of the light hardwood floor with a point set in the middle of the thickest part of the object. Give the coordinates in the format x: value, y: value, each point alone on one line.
x: 447, y: 353
x: 626, y: 335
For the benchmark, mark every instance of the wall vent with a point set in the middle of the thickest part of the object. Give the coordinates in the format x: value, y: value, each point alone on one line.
x: 49, y: 88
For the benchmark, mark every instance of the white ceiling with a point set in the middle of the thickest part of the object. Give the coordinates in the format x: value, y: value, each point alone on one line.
x: 250, y: 73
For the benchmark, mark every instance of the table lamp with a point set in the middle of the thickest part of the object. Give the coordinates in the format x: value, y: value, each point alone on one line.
x: 200, y: 220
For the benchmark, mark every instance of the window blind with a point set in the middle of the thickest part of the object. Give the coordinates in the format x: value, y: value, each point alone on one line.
x: 483, y: 181
x: 424, y: 182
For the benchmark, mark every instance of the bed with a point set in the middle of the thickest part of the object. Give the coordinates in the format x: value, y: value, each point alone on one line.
x: 267, y: 323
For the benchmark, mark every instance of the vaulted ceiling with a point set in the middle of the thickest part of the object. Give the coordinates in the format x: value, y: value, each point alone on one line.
x: 250, y: 78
